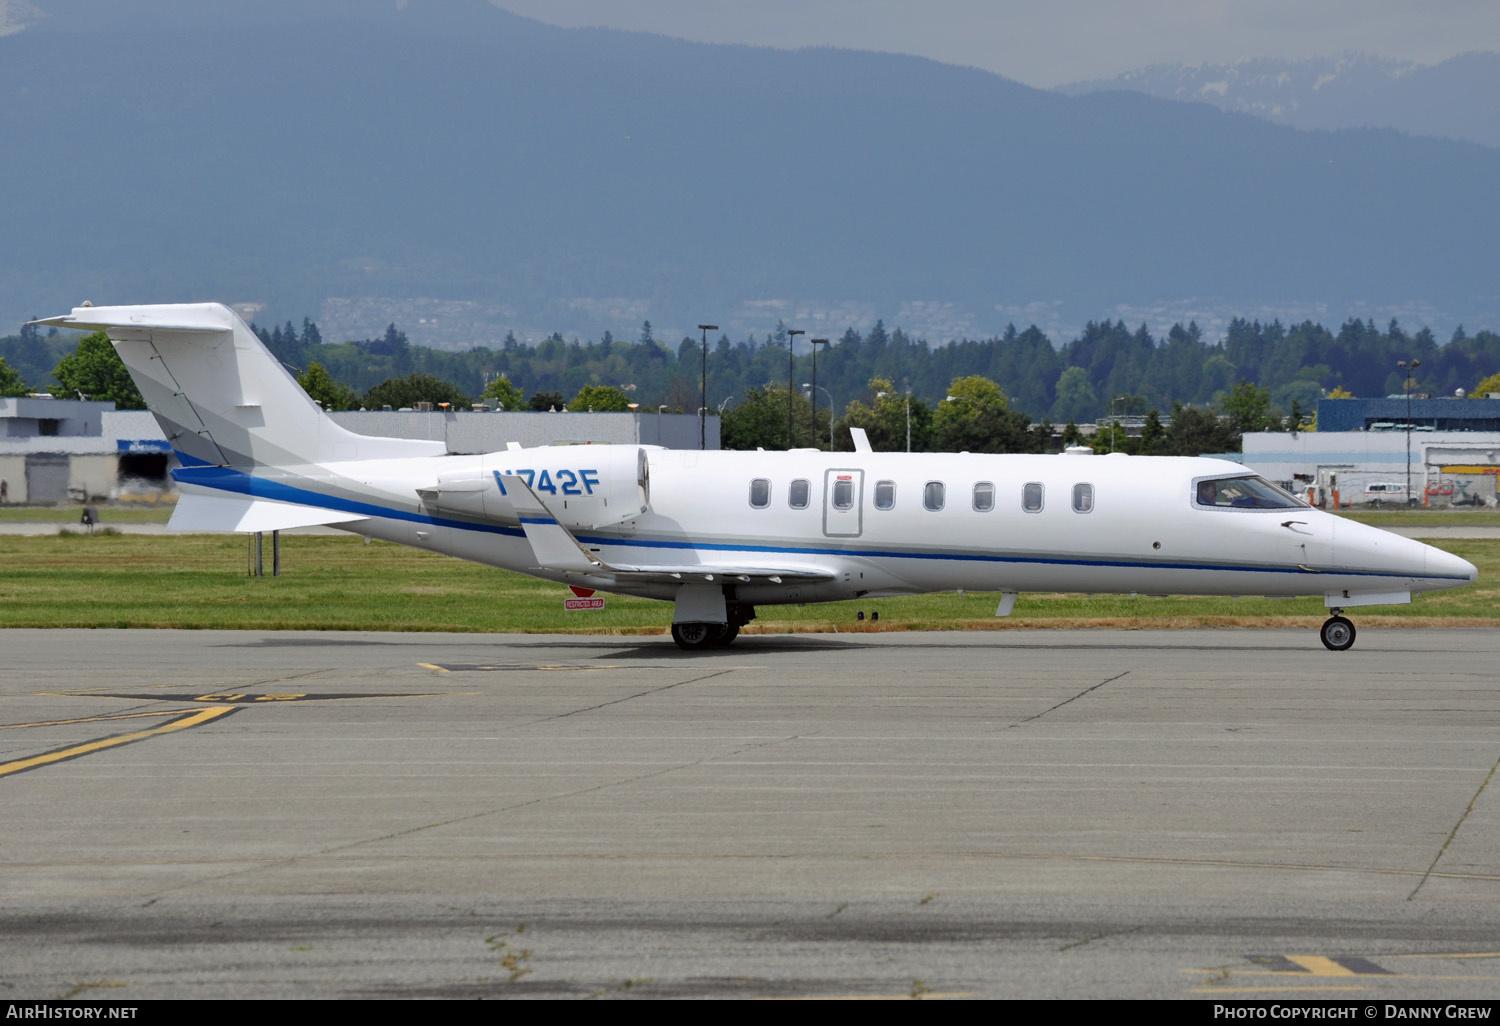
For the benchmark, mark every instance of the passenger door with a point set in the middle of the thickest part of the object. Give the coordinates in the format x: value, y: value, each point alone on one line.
x: 843, y: 503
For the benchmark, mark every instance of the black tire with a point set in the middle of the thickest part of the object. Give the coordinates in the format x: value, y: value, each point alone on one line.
x: 1337, y: 634
x: 696, y: 638
x: 727, y: 635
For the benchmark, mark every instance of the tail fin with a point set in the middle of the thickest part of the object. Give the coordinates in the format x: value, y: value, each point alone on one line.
x: 219, y: 394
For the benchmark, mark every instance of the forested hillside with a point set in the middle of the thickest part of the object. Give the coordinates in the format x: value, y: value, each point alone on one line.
x: 1108, y: 368
x: 1108, y: 361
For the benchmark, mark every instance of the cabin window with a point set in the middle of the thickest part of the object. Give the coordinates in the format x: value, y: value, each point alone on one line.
x: 885, y: 494
x: 1244, y: 493
x: 1083, y: 498
x: 984, y: 496
x: 843, y: 493
x: 932, y: 495
x: 1031, y: 497
x: 760, y: 493
x: 796, y: 495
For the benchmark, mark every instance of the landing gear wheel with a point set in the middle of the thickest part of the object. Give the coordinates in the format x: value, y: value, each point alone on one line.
x: 1337, y: 634
x: 696, y: 637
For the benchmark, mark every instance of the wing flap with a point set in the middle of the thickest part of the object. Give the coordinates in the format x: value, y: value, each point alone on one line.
x: 714, y: 573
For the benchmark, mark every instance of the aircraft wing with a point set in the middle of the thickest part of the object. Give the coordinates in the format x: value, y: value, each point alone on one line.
x: 556, y: 549
x: 211, y: 513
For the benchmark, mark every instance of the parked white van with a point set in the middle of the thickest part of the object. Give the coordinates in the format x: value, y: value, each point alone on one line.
x: 1377, y: 492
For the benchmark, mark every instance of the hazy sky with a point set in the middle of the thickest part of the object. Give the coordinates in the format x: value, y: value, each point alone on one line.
x: 1049, y: 42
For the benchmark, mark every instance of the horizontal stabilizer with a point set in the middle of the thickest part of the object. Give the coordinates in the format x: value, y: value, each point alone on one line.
x: 189, y: 318
x: 244, y: 516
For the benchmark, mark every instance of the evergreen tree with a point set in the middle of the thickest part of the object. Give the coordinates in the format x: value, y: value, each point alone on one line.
x: 1153, y: 435
x: 1076, y: 399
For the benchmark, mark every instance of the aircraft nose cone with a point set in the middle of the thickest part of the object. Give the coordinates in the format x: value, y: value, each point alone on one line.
x: 1448, y: 565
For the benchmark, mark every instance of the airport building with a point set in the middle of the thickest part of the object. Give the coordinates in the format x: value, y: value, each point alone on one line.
x: 57, y: 450
x: 1362, y: 449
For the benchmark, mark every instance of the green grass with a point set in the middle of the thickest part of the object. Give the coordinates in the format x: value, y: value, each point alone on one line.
x: 70, y: 514
x: 339, y: 583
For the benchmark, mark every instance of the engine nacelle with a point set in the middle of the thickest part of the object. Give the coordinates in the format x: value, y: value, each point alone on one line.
x: 583, y: 486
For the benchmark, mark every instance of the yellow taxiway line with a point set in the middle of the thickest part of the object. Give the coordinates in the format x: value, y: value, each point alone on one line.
x: 191, y: 718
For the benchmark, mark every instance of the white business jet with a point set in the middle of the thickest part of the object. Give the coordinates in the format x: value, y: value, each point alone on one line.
x: 718, y: 533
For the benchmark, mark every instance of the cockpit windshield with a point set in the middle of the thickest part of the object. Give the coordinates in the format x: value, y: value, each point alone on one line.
x: 1244, y: 493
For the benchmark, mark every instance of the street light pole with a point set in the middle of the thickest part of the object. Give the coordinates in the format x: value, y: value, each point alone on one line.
x: 831, y: 407
x: 1113, y: 420
x: 791, y: 340
x: 703, y: 401
x: 816, y: 342
x: 1409, y: 372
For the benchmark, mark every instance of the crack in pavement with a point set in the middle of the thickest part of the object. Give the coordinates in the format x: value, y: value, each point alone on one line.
x: 627, y: 698
x: 1454, y: 832
x: 592, y: 788
x: 1065, y: 701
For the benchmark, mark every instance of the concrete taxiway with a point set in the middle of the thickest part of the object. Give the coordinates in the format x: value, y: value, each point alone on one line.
x: 1200, y: 814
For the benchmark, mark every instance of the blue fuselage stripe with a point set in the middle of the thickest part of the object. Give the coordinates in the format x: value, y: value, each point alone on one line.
x: 229, y: 479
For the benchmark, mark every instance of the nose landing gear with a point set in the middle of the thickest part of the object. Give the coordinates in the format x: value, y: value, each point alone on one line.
x: 1337, y: 632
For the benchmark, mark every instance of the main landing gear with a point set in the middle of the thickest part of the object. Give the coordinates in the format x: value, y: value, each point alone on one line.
x: 1337, y: 632
x: 698, y: 637
x: 694, y: 637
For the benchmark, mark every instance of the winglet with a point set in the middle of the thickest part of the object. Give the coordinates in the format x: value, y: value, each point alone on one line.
x: 861, y: 440
x: 551, y: 544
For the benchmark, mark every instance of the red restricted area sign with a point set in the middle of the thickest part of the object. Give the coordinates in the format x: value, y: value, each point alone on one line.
x: 583, y: 598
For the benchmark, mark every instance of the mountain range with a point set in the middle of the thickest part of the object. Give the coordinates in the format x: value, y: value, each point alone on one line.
x: 1452, y: 99
x: 464, y: 172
